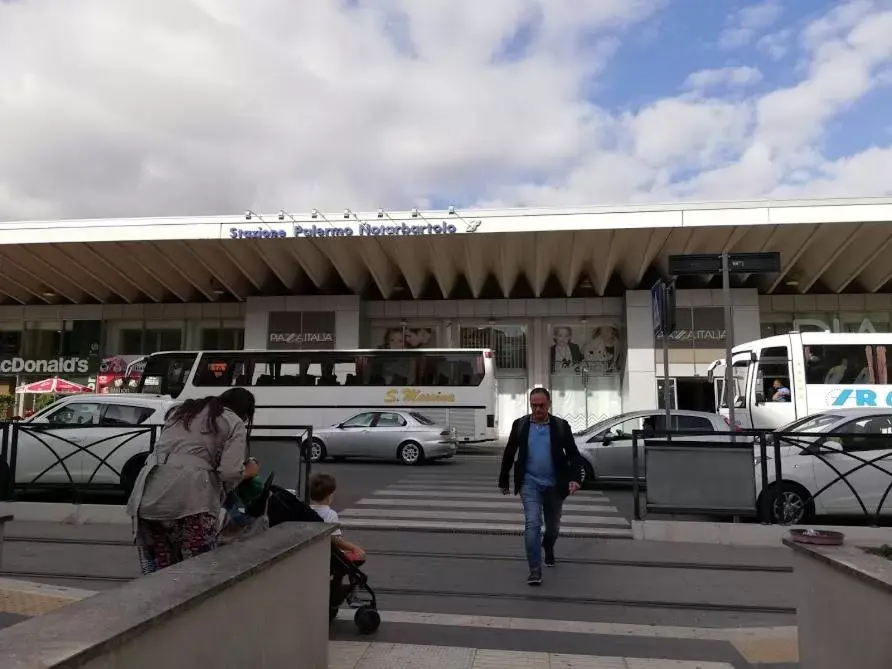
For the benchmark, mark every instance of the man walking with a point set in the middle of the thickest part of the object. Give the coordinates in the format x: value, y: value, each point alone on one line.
x: 547, y: 468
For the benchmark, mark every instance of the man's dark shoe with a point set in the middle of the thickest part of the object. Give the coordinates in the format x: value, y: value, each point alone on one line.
x: 535, y: 578
x: 549, y: 557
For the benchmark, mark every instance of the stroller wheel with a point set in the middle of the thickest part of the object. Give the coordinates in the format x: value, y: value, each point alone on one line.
x: 367, y: 620
x: 332, y: 613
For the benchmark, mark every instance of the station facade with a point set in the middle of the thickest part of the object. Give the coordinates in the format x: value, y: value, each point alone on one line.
x: 561, y: 297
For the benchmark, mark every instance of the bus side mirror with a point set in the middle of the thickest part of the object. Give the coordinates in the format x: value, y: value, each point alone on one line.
x: 760, y: 398
x: 739, y: 402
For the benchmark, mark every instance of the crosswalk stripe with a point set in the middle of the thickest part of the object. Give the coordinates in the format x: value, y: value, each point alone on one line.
x: 475, y: 515
x: 459, y: 504
x: 429, y: 492
x: 501, y: 528
x: 488, y: 485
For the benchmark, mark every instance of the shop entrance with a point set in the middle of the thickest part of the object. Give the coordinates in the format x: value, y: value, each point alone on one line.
x: 691, y: 393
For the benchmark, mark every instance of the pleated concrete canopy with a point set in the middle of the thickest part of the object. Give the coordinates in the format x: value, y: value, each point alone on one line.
x: 826, y: 246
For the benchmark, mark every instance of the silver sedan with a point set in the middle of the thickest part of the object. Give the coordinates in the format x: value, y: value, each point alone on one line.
x: 606, y: 447
x: 407, y: 436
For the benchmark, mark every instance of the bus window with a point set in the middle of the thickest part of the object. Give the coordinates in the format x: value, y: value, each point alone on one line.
x: 390, y: 369
x: 773, y: 376
x: 834, y: 364
x: 303, y: 368
x: 166, y: 374
x: 222, y: 370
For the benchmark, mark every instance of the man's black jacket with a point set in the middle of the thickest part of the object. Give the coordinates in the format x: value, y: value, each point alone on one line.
x: 567, y: 461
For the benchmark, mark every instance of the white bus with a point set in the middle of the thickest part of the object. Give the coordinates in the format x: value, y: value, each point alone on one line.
x: 452, y: 387
x: 821, y: 370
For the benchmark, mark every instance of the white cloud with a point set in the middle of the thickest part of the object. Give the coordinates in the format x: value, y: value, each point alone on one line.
x: 744, y: 24
x: 215, y: 106
x: 726, y: 76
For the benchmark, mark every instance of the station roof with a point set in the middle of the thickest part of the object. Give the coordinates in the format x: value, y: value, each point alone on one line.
x: 825, y: 245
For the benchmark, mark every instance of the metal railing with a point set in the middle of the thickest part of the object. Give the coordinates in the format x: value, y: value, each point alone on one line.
x: 756, y: 473
x: 80, y: 459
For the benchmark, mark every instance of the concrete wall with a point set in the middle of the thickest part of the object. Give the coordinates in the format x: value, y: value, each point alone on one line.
x: 843, y: 619
x: 346, y: 308
x: 260, y: 603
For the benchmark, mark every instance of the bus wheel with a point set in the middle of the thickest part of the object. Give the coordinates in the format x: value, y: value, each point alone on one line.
x: 410, y: 453
x: 317, y: 450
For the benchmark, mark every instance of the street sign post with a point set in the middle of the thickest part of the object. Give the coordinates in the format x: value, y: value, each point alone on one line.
x: 726, y: 263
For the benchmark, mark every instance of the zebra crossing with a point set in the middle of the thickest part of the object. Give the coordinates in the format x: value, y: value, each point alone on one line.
x: 433, y: 502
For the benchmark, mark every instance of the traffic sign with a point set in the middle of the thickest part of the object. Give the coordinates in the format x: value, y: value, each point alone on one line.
x: 711, y: 263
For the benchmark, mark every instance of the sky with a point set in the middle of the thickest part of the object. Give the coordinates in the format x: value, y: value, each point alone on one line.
x: 190, y: 107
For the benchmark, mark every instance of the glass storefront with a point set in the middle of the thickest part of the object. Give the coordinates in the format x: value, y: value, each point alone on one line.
x: 509, y: 345
x: 586, y: 363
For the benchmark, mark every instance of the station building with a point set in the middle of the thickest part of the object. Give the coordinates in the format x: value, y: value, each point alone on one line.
x: 560, y: 295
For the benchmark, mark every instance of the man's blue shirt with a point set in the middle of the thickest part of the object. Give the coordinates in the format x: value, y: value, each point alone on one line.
x: 540, y: 465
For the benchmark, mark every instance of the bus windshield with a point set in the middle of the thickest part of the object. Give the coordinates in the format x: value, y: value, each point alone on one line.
x: 166, y: 373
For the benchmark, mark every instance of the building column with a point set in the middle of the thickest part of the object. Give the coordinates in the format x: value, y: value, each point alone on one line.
x: 639, y: 378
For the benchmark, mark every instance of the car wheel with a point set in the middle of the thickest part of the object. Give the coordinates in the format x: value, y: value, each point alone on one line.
x: 790, y: 504
x: 131, y: 471
x: 317, y: 450
x: 410, y: 453
x: 588, y: 474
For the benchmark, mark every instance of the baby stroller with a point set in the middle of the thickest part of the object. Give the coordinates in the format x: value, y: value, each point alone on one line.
x: 282, y: 506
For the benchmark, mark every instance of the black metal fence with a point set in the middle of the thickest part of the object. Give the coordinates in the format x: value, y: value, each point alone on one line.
x: 773, y: 476
x: 77, y: 460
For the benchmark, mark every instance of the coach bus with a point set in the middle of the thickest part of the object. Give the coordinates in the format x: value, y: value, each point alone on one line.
x: 452, y: 387
x: 814, y: 371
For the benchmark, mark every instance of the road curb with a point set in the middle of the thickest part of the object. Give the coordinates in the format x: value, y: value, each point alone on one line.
x: 743, y: 534
x: 69, y: 514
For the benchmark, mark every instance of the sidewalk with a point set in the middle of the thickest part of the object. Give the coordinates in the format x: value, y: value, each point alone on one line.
x: 358, y: 655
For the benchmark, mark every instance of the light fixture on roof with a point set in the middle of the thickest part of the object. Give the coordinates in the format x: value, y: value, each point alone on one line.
x: 282, y: 214
x: 347, y: 213
x: 48, y: 292
x: 452, y: 211
x: 380, y: 213
x: 415, y: 213
x: 792, y: 282
x: 248, y: 215
x: 315, y: 213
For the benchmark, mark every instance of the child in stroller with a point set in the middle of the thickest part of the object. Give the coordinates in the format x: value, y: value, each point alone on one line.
x: 282, y: 506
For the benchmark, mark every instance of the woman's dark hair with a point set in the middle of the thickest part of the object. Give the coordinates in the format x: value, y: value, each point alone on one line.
x: 237, y: 400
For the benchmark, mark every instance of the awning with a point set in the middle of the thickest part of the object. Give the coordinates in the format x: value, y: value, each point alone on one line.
x: 54, y: 386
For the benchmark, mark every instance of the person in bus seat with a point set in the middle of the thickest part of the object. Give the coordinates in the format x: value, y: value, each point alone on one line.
x: 779, y: 392
x: 837, y: 373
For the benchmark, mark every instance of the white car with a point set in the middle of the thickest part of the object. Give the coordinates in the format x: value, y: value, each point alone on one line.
x: 606, y: 447
x: 101, y: 441
x: 813, y: 467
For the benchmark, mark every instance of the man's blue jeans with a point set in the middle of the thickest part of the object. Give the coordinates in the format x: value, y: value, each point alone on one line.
x: 539, y: 501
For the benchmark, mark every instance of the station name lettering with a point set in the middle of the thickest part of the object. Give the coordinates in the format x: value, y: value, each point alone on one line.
x: 414, y: 395
x: 362, y: 230
x: 52, y: 366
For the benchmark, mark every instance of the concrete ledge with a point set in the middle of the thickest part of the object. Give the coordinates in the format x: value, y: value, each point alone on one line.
x: 72, y: 514
x: 262, y: 602
x: 844, y: 598
x: 743, y: 534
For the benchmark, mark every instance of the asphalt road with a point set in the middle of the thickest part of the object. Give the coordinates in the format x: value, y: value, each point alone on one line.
x: 442, y: 581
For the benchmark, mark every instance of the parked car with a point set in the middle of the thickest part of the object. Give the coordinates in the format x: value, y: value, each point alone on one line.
x: 98, y: 440
x: 812, y: 462
x: 606, y: 447
x: 407, y: 436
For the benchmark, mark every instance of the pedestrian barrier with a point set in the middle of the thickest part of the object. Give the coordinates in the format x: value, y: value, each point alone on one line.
x: 82, y: 459
x: 752, y: 473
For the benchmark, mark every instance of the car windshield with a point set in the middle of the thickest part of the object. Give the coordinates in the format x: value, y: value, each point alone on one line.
x: 600, y: 425
x: 424, y: 420
x: 814, y: 423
